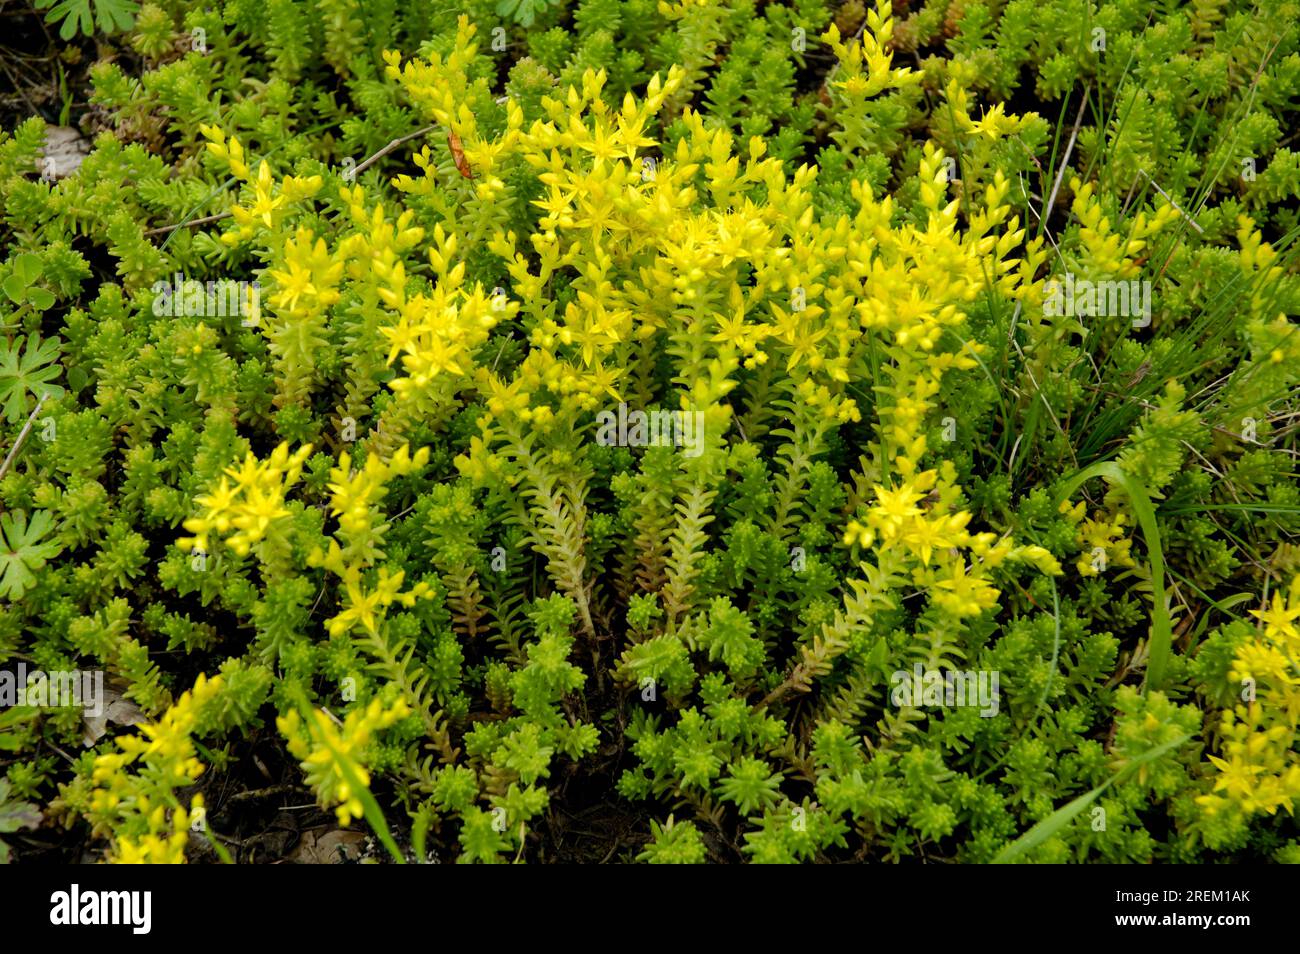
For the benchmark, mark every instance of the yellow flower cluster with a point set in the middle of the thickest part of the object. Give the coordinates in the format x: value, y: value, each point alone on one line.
x: 611, y: 213
x: 270, y: 202
x: 898, y: 518
x: 367, y: 608
x: 1102, y: 538
x: 1259, y: 770
x: 135, y: 787
x: 307, y: 282
x: 249, y: 501
x: 354, y: 494
x: 1261, y: 259
x: 911, y: 286
x: 332, y: 755
x: 437, y: 334
x: 354, y: 500
x: 867, y: 69
x: 372, y: 254
x: 1106, y: 254
x: 231, y: 153
x: 933, y: 536
x: 994, y: 124
x: 916, y: 284
x: 159, y: 847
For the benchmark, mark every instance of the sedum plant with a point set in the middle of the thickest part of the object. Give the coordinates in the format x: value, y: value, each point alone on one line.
x: 614, y: 403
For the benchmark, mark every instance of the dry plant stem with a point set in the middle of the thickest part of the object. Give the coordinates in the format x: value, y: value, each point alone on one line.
x: 192, y: 223
x: 22, y: 436
x: 371, y: 160
x: 1064, y: 164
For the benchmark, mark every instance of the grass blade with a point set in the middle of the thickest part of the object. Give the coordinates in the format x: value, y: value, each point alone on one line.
x: 1161, y: 629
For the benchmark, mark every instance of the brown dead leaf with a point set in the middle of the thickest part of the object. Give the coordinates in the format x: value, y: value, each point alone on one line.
x: 115, y: 709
